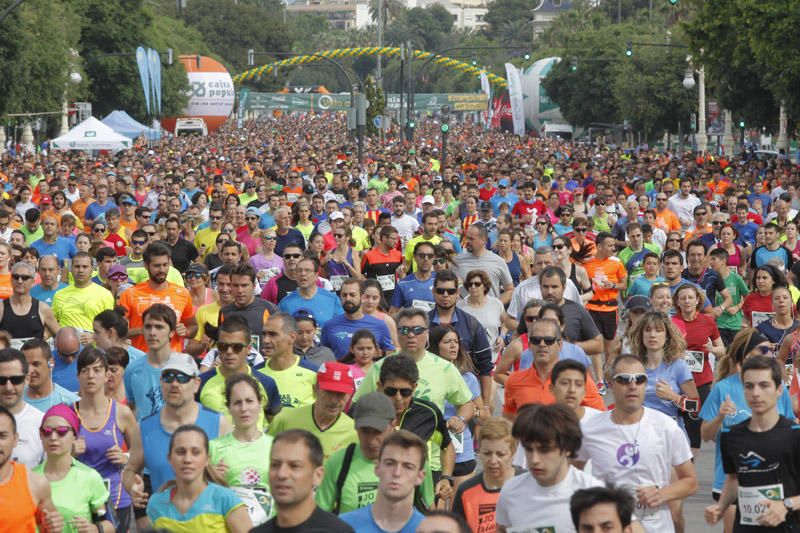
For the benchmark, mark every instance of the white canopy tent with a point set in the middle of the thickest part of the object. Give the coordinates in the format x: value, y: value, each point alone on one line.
x: 91, y: 134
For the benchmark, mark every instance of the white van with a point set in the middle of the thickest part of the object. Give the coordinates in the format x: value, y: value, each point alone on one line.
x: 191, y: 126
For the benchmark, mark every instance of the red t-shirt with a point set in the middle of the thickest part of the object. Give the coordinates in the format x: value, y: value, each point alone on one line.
x: 754, y: 302
x: 697, y: 332
x: 486, y: 193
x: 533, y: 209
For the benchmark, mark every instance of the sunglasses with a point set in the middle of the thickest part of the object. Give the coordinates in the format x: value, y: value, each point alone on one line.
x: 559, y: 246
x: 119, y: 277
x: 442, y: 290
x: 416, y: 330
x: 251, y: 218
x: 627, y: 379
x: 237, y: 347
x: 61, y: 431
x: 424, y: 256
x: 212, y: 217
x: 21, y: 277
x: 700, y: 214
x: 661, y: 199
x: 530, y: 318
x: 535, y: 341
x: 292, y: 256
x: 170, y: 377
x: 541, y: 223
x: 581, y: 230
x: 440, y: 261
x: 99, y: 230
x: 392, y: 391
x: 270, y: 238
x: 717, y: 223
x: 191, y: 275
x: 765, y: 350
x: 15, y: 380
x: 338, y: 235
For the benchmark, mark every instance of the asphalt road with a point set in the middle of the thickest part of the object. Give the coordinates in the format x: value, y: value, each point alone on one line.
x: 694, y: 506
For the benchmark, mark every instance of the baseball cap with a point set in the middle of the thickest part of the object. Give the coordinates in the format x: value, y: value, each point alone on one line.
x: 437, y: 179
x: 336, y: 215
x: 127, y: 199
x: 503, y: 183
x: 182, y: 362
x: 375, y: 410
x: 117, y: 270
x: 428, y: 199
x: 197, y: 268
x: 335, y: 377
x: 486, y: 206
x: 45, y: 200
x: 252, y: 211
x: 638, y: 303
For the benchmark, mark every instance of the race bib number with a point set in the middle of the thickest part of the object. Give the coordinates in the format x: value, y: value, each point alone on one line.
x: 258, y: 502
x: 423, y: 304
x: 338, y: 281
x: 267, y: 274
x: 255, y: 343
x: 357, y: 382
x: 17, y: 343
x: 694, y: 360
x: 291, y: 197
x: 751, y: 502
x: 641, y: 511
x: 458, y: 441
x: 387, y: 282
x: 761, y: 316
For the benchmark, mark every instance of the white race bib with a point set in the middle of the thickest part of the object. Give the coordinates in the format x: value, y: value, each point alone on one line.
x: 338, y: 281
x: 694, y: 360
x: 387, y: 282
x: 761, y: 316
x: 750, y: 502
x: 258, y: 502
x: 423, y: 304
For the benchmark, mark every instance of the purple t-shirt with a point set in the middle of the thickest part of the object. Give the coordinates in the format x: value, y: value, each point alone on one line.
x: 266, y: 268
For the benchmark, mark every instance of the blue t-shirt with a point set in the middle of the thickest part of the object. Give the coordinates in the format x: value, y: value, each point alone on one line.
x: 95, y: 210
x: 338, y: 333
x: 675, y: 374
x: 45, y: 295
x: 361, y: 520
x: 468, y: 450
x: 143, y: 387
x: 324, y: 304
x: 155, y: 443
x: 62, y: 249
x: 642, y: 286
x: 58, y: 396
x: 134, y: 354
x: 732, y: 386
x: 762, y: 255
x: 64, y: 374
x: 207, y: 513
x: 496, y: 200
x: 410, y: 289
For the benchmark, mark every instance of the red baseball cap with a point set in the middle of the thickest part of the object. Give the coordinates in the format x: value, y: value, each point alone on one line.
x: 335, y: 377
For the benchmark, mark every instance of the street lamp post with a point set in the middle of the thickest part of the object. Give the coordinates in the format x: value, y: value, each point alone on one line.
x: 688, y: 83
x: 75, y: 78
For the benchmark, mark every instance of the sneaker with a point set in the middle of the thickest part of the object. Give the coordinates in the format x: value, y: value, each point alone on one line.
x: 601, y: 387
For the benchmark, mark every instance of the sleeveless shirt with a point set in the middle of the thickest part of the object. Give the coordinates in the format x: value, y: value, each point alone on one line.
x: 28, y: 325
x: 19, y: 510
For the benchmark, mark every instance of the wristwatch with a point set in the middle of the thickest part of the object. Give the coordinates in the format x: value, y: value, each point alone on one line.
x: 787, y: 502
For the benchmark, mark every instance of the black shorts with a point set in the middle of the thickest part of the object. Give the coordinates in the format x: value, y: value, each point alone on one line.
x: 692, y: 425
x: 606, y: 322
x: 142, y: 512
x: 465, y: 468
x: 121, y: 518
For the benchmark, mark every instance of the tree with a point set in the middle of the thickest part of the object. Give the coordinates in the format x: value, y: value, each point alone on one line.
x: 377, y: 104
x: 501, y: 11
x: 515, y: 33
x: 392, y: 10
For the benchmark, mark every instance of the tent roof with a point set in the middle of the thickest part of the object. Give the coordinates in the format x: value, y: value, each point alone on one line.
x: 91, y: 134
x: 123, y: 123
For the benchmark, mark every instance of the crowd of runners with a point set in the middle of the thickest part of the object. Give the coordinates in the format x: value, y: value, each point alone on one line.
x: 249, y: 331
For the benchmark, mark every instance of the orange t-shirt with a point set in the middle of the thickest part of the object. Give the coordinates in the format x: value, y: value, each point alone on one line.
x: 5, y: 286
x: 477, y: 504
x: 79, y: 207
x: 141, y: 296
x: 603, y: 270
x: 667, y: 220
x: 19, y: 509
x: 525, y: 386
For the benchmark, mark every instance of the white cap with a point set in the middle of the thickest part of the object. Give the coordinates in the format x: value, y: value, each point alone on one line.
x: 336, y: 215
x: 428, y: 199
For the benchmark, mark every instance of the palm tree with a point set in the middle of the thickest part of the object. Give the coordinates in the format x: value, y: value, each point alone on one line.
x: 392, y: 10
x: 515, y: 33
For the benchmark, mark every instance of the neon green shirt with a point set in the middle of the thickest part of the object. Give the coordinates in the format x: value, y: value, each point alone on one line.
x: 361, y: 237
x: 77, y: 307
x: 439, y: 380
x: 295, y: 384
x: 409, y: 251
x: 212, y: 395
x: 360, y: 486
x: 82, y: 493
x: 336, y: 437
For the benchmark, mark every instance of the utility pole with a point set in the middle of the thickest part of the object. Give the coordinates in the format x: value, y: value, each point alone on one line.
x: 410, y: 106
x: 361, y: 123
x: 400, y: 120
x: 380, y: 42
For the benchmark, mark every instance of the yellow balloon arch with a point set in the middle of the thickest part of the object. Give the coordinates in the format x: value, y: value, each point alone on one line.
x: 387, y: 51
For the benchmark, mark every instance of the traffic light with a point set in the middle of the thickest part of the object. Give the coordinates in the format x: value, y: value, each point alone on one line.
x: 629, y: 50
x: 411, y: 124
x: 445, y: 128
x: 741, y: 124
x: 527, y: 56
x: 574, y: 64
x: 673, y: 2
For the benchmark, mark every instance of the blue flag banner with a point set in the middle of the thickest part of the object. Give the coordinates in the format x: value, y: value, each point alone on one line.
x: 144, y: 74
x: 155, y: 79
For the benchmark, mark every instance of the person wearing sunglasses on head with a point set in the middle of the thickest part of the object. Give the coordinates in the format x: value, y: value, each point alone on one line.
x: 636, y: 447
x: 179, y: 384
x: 78, y: 492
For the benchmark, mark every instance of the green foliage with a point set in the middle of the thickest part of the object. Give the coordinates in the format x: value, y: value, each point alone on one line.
x: 505, y: 11
x: 377, y: 104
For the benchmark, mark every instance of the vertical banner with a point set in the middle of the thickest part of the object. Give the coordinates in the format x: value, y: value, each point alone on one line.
x: 487, y: 90
x: 144, y: 75
x: 242, y: 103
x: 154, y: 61
x: 515, y: 99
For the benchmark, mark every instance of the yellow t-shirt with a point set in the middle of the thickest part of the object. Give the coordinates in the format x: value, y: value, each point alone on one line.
x: 336, y: 437
x: 295, y: 384
x: 208, y: 237
x: 77, y: 307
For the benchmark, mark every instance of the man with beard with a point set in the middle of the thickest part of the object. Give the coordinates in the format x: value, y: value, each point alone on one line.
x: 156, y: 289
x: 477, y: 257
x: 338, y: 331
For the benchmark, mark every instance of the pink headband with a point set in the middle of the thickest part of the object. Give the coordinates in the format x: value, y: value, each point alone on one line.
x: 66, y: 413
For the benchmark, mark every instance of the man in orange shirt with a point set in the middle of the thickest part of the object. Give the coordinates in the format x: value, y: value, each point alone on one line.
x: 137, y: 299
x: 666, y: 219
x: 82, y: 203
x: 533, y: 385
x: 608, y: 276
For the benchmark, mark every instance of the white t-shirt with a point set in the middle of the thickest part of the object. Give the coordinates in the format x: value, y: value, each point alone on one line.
x: 29, y: 448
x: 637, y: 455
x: 530, y: 289
x: 526, y: 506
x: 406, y: 226
x: 521, y: 461
x: 683, y: 207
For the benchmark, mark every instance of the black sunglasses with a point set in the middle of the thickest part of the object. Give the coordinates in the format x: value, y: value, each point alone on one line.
x: 535, y: 341
x: 21, y: 277
x: 292, y: 256
x: 443, y: 290
x: 416, y: 330
x: 15, y: 380
x: 392, y: 391
x: 170, y: 377
x: 237, y: 347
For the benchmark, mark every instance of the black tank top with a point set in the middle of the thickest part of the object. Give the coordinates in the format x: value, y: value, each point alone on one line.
x: 22, y: 326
